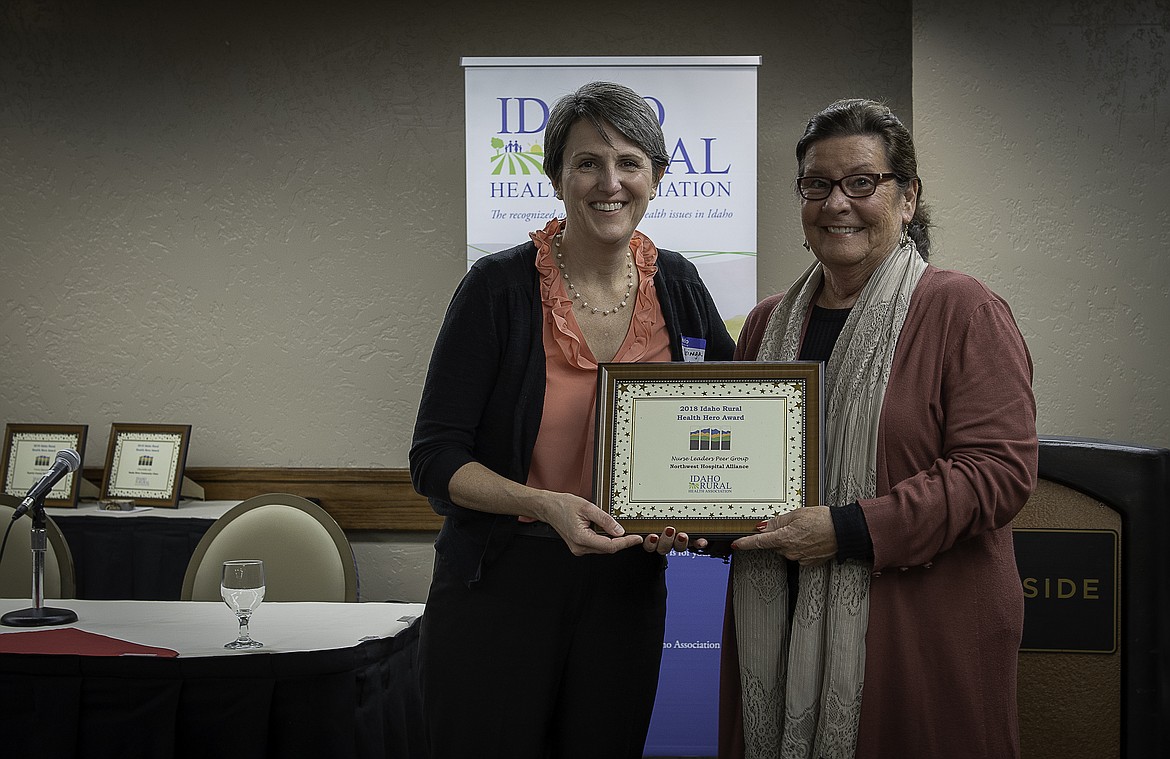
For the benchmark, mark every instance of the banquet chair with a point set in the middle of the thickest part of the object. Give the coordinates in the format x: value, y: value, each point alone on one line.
x: 305, y: 552
x: 16, y: 564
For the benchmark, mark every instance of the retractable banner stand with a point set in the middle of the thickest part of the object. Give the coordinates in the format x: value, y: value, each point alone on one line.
x: 705, y: 209
x: 706, y: 204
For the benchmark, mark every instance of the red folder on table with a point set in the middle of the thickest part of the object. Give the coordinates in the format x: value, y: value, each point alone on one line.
x: 69, y: 640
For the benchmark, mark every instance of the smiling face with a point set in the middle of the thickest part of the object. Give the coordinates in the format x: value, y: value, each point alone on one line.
x: 854, y: 235
x: 606, y: 187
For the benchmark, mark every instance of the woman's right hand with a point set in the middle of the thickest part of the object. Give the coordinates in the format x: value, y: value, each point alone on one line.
x: 474, y: 486
x: 574, y: 519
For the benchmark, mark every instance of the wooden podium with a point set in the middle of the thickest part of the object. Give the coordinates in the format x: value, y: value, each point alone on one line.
x: 1091, y: 547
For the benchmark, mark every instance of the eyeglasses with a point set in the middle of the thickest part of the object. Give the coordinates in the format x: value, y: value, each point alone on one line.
x: 854, y: 185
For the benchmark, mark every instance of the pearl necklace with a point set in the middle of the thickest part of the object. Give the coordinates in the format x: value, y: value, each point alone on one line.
x: 577, y: 293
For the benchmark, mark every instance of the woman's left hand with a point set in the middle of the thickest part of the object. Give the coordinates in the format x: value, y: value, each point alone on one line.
x: 805, y: 535
x: 670, y: 540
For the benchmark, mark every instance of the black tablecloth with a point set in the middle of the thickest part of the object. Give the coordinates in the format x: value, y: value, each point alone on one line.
x: 357, y: 702
x: 135, y: 559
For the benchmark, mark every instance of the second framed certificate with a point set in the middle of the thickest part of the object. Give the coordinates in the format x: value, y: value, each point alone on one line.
x: 145, y: 462
x: 711, y: 448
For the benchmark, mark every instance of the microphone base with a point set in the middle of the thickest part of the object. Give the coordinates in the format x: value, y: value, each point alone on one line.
x: 41, y: 617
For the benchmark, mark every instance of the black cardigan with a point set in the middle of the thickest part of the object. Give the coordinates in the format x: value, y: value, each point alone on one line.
x: 484, y: 393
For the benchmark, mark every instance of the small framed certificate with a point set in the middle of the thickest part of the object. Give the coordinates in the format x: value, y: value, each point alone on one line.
x: 711, y: 448
x: 145, y: 462
x: 31, y: 449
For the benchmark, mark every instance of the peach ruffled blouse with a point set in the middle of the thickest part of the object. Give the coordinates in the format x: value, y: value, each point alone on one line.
x: 562, y: 460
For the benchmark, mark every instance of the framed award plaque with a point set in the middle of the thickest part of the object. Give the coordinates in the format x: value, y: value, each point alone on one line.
x: 712, y: 448
x: 145, y: 462
x: 30, y: 449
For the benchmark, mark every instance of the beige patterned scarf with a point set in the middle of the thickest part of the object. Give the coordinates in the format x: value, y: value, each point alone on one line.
x: 802, y: 687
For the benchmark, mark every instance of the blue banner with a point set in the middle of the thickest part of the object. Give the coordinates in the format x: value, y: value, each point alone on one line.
x: 686, y: 719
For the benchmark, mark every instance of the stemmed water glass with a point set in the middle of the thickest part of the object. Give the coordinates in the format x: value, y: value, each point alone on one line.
x: 242, y: 589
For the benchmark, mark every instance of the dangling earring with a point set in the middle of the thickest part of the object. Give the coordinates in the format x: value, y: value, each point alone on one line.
x: 905, y: 236
x: 557, y: 194
x: 807, y: 246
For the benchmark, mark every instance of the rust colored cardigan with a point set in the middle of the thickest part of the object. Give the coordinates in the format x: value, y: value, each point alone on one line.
x: 956, y: 461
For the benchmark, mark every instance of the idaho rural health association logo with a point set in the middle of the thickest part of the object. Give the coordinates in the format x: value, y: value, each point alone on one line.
x: 512, y: 156
x: 516, y: 161
x: 708, y: 483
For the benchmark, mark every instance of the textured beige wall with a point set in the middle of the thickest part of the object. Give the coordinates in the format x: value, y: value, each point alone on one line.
x: 1045, y: 131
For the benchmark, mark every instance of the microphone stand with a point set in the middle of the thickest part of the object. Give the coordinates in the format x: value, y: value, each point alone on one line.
x: 39, y: 615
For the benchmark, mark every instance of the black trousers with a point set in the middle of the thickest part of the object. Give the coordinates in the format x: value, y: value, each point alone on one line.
x: 547, y: 655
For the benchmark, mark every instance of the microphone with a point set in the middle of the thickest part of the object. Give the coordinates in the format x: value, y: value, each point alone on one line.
x: 67, y: 461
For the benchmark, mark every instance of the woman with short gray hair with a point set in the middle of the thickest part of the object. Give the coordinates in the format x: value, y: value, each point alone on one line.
x: 544, y: 623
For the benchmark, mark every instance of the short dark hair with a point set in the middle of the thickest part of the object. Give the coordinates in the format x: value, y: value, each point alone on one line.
x: 859, y: 117
x: 602, y: 103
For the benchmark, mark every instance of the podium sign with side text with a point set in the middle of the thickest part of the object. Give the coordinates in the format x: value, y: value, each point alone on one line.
x: 1071, y: 589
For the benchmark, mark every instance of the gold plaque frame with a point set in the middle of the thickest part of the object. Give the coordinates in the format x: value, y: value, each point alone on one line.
x: 145, y: 462
x: 711, y: 448
x: 29, y: 450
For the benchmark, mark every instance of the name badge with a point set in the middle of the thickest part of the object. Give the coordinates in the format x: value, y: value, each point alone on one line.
x: 694, y: 348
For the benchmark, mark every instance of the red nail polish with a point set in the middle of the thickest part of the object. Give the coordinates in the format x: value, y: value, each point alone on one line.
x: 761, y: 525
